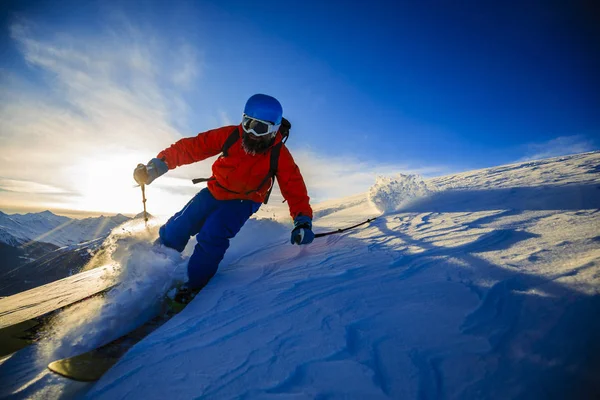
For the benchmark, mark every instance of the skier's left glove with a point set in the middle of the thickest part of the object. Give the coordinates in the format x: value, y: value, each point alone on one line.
x: 302, y: 233
x: 146, y: 174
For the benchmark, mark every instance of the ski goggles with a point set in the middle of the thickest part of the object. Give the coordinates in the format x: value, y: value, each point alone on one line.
x: 258, y: 127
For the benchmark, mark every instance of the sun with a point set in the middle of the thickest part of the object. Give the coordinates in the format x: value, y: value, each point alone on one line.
x: 106, y: 184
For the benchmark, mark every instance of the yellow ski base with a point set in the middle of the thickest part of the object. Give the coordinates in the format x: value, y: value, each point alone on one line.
x: 84, y: 368
x: 90, y: 366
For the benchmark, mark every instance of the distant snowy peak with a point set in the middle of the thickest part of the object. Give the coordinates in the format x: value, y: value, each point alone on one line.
x: 45, y: 217
x: 141, y: 216
x: 9, y: 239
x: 116, y: 220
x: 17, y: 229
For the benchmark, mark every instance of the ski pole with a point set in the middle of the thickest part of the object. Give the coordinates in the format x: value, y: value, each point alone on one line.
x: 345, y: 229
x: 144, y: 202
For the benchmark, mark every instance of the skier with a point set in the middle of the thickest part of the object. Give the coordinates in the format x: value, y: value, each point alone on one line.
x: 241, y: 180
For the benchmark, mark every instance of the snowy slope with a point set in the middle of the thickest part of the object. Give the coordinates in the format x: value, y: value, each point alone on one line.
x: 487, y: 287
x: 16, y: 229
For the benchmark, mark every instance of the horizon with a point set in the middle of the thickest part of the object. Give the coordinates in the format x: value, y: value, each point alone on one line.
x: 81, y: 214
x: 89, y: 90
x: 74, y: 214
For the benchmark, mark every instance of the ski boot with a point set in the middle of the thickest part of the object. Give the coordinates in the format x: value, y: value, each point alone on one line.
x: 182, y: 296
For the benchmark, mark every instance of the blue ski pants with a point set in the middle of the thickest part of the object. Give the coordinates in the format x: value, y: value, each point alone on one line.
x: 213, y: 222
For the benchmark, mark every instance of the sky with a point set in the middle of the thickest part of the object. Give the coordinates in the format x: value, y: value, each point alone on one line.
x: 91, y: 89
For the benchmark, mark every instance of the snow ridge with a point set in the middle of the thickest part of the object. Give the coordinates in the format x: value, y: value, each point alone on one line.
x: 390, y: 194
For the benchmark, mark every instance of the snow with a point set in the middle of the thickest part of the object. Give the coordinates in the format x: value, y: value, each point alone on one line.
x: 483, y: 284
x: 391, y: 194
x: 46, y: 298
x: 9, y: 239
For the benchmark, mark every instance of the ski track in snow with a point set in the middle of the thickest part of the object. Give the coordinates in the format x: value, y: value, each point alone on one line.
x: 487, y: 288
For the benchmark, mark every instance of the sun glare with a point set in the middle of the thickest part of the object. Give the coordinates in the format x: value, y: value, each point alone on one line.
x: 106, y: 185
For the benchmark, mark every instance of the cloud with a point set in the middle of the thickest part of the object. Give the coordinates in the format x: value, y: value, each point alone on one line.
x: 187, y: 69
x: 560, y: 146
x: 12, y: 185
x: 109, y: 97
x: 225, y: 119
x: 329, y: 177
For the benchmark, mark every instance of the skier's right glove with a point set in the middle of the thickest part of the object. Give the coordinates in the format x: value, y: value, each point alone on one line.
x: 146, y: 174
x: 302, y: 233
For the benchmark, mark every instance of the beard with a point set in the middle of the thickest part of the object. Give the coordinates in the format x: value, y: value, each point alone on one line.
x: 253, y: 145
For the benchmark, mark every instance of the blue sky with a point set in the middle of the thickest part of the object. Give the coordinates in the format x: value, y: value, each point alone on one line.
x: 430, y: 87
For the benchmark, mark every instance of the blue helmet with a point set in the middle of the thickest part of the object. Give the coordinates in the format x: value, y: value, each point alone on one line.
x: 264, y: 107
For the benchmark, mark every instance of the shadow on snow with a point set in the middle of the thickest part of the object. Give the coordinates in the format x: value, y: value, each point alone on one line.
x: 542, y: 345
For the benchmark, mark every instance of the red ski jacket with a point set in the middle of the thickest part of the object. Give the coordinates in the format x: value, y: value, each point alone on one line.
x: 238, y: 173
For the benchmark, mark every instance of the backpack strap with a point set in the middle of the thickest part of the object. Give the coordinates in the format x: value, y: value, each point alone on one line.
x: 284, y: 130
x: 231, y: 139
x: 275, y: 151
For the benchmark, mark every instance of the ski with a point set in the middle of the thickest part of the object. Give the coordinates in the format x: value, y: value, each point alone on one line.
x: 53, y: 296
x: 24, y: 315
x: 16, y: 337
x: 91, y: 365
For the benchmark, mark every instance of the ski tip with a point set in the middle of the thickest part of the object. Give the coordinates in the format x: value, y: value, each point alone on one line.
x: 82, y: 368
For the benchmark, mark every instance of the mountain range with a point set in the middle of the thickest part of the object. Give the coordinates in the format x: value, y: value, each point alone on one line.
x: 47, y: 227
x: 37, y: 248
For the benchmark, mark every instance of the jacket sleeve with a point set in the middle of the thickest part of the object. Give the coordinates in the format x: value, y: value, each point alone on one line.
x: 192, y: 149
x: 292, y: 186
